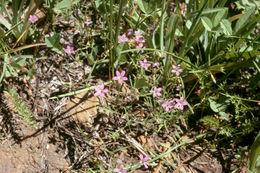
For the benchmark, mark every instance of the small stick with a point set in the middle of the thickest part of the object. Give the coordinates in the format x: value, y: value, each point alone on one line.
x: 159, y: 165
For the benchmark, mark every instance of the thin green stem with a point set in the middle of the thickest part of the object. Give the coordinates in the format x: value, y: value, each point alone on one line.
x: 118, y: 22
x: 111, y: 63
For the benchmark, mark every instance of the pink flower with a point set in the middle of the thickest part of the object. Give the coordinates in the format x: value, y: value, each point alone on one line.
x: 180, y: 103
x: 69, y: 50
x: 167, y: 105
x: 156, y: 64
x: 179, y: 87
x: 120, y: 77
x: 177, y: 69
x: 138, y: 33
x: 122, y: 38
x: 143, y: 160
x: 100, y: 91
x: 121, y: 169
x: 33, y: 18
x: 130, y: 32
x: 144, y: 64
x: 156, y: 92
x: 152, y: 27
x: 140, y: 46
x: 139, y: 36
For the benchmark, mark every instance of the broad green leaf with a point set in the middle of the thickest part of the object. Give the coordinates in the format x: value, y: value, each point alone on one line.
x: 247, y: 55
x: 208, y: 11
x: 223, y: 116
x: 2, y: 33
x: 207, y: 23
x: 226, y: 26
x: 5, y: 22
x: 254, y: 153
x: 141, y: 82
x: 18, y: 63
x: 219, y: 16
x: 141, y: 5
x: 53, y: 42
x: 219, y: 104
x: 241, y: 23
x: 65, y: 4
x: 171, y: 25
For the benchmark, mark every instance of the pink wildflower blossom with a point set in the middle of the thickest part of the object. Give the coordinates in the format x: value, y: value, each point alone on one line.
x: 144, y: 64
x: 130, y: 32
x: 179, y: 87
x: 69, y: 50
x: 33, y: 18
x: 156, y: 92
x: 138, y: 33
x: 122, y: 38
x: 140, y: 46
x: 143, y: 160
x: 121, y: 169
x: 139, y: 36
x: 120, y: 77
x: 100, y: 91
x: 152, y: 27
x: 167, y: 105
x: 156, y: 64
x: 180, y: 103
x: 177, y: 69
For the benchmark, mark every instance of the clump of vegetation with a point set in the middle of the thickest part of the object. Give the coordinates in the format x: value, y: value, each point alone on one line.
x: 16, y: 104
x: 173, y: 62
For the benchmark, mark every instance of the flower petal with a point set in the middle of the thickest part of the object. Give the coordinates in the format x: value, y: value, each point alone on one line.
x: 123, y: 73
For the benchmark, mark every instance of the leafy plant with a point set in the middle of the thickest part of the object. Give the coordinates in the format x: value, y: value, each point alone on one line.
x: 254, y: 156
x: 18, y: 18
x: 17, y: 104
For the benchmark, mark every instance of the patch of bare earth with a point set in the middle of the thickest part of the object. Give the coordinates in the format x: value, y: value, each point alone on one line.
x: 34, y: 154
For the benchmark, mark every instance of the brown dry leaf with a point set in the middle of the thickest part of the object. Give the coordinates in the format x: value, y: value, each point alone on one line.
x: 83, y: 110
x: 8, y: 101
x: 139, y: 113
x: 122, y: 154
x: 186, y: 138
x: 146, y: 141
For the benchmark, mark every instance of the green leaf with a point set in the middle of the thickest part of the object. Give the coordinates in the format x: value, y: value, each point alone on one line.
x: 141, y: 5
x: 247, y: 55
x: 141, y: 82
x: 207, y: 23
x: 241, y: 23
x: 53, y: 42
x: 219, y: 104
x: 219, y: 16
x: 210, y: 121
x: 17, y: 64
x: 254, y: 153
x: 223, y: 116
x: 65, y: 4
x: 5, y: 23
x: 226, y: 26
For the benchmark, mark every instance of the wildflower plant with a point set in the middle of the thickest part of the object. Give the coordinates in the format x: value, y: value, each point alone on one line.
x: 100, y: 90
x: 69, y: 50
x: 180, y: 62
x: 19, y: 19
x: 120, y: 169
x: 144, y: 159
x: 120, y: 77
x: 33, y: 18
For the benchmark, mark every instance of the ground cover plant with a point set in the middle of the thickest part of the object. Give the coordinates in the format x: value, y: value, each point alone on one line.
x: 130, y: 85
